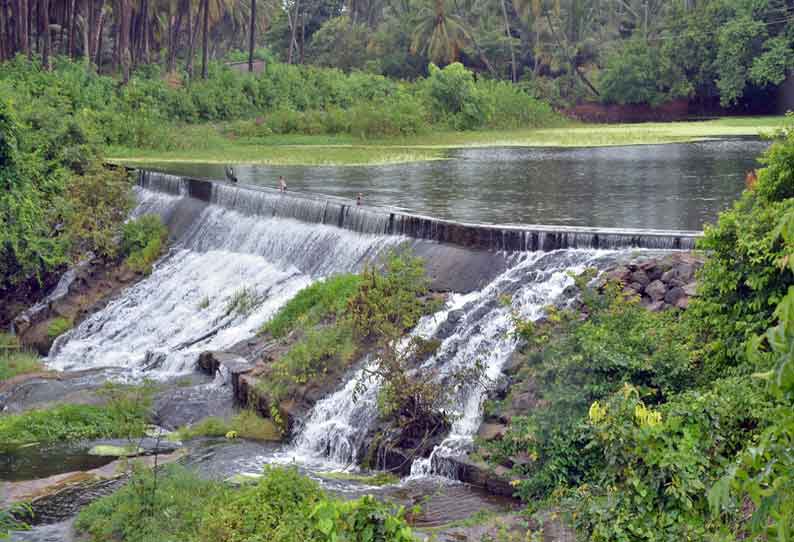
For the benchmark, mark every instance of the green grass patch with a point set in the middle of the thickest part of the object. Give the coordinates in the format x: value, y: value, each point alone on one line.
x: 66, y: 423
x: 15, y: 360
x: 373, y: 479
x: 246, y: 424
x: 59, y: 326
x: 319, y: 352
x: 314, y: 304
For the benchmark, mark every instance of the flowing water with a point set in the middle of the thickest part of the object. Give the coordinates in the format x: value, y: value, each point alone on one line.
x: 238, y: 255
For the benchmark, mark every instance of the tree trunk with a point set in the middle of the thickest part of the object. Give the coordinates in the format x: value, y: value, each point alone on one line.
x: 28, y: 28
x: 45, y: 28
x: 509, y: 41
x: 190, y: 41
x: 72, y: 25
x: 125, y: 20
x: 252, y: 37
x: 293, y: 43
x: 86, y: 40
x: 205, y: 40
x: 98, y: 58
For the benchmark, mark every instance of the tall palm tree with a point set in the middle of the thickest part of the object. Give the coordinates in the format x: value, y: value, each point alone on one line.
x: 438, y: 34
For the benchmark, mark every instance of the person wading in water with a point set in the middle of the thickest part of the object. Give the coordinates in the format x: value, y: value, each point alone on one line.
x: 282, y: 184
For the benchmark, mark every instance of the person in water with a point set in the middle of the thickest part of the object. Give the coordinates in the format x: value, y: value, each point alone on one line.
x: 230, y: 175
x: 282, y: 184
x: 359, y: 198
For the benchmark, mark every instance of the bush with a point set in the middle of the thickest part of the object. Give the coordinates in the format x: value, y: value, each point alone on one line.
x: 283, y: 506
x: 740, y: 284
x: 142, y: 242
x: 246, y: 424
x: 454, y: 98
x: 59, y: 326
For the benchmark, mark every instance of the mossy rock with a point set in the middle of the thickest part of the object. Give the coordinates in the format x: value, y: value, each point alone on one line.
x: 108, y: 450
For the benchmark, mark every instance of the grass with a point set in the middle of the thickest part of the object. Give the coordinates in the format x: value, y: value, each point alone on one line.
x: 313, y: 304
x: 59, y: 326
x: 242, y: 301
x: 246, y: 424
x: 14, y: 360
x: 63, y: 423
x: 206, y: 143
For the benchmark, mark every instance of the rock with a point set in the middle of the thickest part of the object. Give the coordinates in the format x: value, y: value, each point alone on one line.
x: 647, y: 265
x: 641, y: 278
x: 524, y: 402
x: 685, y: 272
x: 691, y: 289
x: 492, y: 431
x: 656, y: 306
x: 514, y: 363
x: 673, y: 295
x: 496, y: 480
x: 500, y: 388
x: 656, y: 290
x: 667, y: 276
x: 635, y: 288
x: 107, y: 450
x: 620, y: 274
x: 682, y: 303
x: 244, y: 478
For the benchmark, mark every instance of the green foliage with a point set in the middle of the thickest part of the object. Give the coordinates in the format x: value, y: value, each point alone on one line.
x: 283, y: 506
x: 577, y: 362
x: 59, y: 326
x: 740, y: 286
x: 634, y: 74
x: 15, y: 360
x: 314, y: 304
x: 72, y: 422
x: 142, y: 242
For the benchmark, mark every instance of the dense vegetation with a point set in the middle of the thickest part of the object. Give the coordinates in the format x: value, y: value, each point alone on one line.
x: 627, y: 51
x: 282, y: 507
x: 15, y: 359
x: 672, y: 426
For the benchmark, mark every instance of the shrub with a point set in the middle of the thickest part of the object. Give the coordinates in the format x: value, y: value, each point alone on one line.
x: 142, y: 242
x: 454, y: 98
x: 740, y: 284
x: 246, y: 424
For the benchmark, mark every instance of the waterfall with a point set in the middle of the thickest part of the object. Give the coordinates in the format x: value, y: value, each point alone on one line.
x: 160, y: 325
x: 484, y: 334
x: 338, y: 424
x: 344, y: 214
x: 473, y: 327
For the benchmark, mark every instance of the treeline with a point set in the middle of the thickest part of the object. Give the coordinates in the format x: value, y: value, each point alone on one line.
x: 562, y: 51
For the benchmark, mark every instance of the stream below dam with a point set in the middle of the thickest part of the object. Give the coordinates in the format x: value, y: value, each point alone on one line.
x: 231, y: 238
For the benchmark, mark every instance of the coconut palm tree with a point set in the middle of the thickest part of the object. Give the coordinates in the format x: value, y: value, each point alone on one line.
x: 439, y: 35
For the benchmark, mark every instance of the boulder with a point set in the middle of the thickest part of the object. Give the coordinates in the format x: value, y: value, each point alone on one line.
x: 656, y: 306
x: 691, y: 289
x: 492, y: 431
x: 620, y: 274
x: 640, y: 277
x: 656, y: 290
x: 673, y: 295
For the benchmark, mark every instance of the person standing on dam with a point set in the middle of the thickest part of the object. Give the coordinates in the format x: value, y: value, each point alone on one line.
x: 282, y: 184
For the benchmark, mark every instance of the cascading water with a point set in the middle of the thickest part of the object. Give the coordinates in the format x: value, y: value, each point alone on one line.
x: 475, y: 327
x: 484, y: 334
x: 337, y: 425
x: 227, y: 274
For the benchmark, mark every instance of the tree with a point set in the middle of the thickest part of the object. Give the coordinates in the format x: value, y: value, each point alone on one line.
x: 439, y: 35
x: 205, y: 38
x: 252, y: 37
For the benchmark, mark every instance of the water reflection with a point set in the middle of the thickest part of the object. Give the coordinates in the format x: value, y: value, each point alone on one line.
x: 675, y: 186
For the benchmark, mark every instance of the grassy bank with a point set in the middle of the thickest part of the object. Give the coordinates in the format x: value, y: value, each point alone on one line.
x: 214, y: 144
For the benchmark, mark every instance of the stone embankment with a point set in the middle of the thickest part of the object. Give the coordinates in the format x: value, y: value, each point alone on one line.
x: 661, y: 283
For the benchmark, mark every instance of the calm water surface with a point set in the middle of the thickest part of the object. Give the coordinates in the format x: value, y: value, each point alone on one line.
x: 674, y: 186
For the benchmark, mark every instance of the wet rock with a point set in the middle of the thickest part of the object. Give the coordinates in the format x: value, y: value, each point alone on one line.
x: 499, y: 388
x: 620, y: 274
x: 524, y: 401
x: 494, y: 479
x: 656, y: 290
x: 447, y: 328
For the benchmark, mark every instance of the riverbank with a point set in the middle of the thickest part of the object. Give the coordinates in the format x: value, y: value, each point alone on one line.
x: 212, y: 143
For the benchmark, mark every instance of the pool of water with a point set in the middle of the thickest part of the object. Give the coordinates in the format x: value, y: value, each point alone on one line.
x: 674, y: 186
